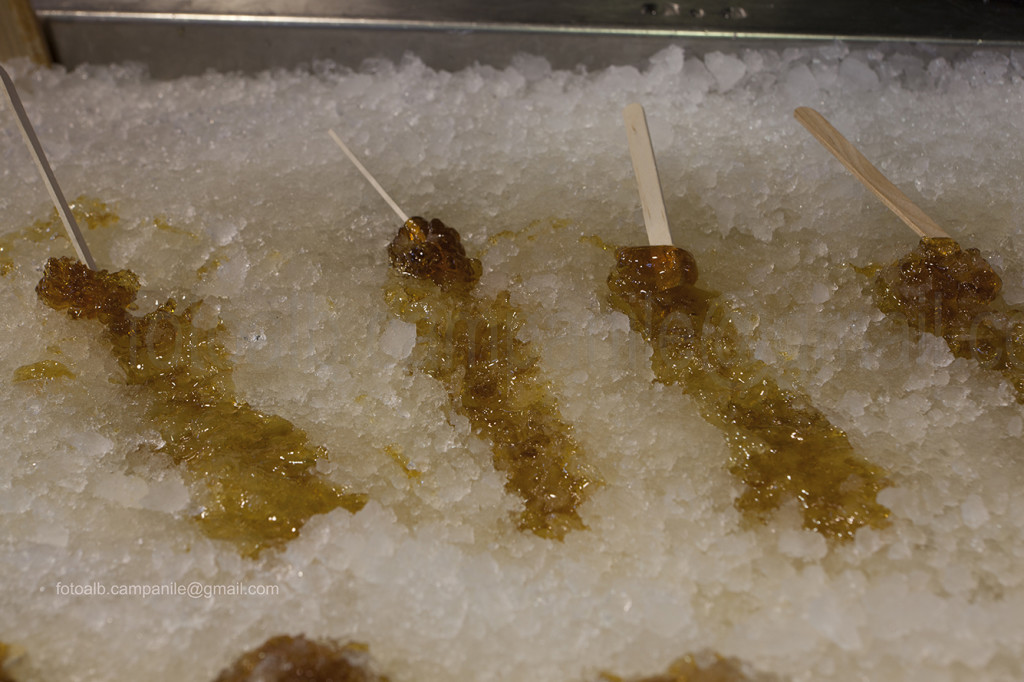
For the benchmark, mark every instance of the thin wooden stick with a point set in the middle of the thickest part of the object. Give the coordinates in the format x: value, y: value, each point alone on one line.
x: 36, y: 149
x: 366, y: 174
x: 871, y: 177
x: 646, y: 170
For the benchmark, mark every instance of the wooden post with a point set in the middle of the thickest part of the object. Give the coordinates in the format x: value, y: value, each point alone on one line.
x: 20, y: 35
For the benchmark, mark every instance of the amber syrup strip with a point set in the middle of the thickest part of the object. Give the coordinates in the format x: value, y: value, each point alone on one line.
x: 783, y: 448
x: 470, y: 346
x: 253, y: 475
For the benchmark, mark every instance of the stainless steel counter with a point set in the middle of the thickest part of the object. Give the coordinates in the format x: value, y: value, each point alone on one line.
x: 175, y: 37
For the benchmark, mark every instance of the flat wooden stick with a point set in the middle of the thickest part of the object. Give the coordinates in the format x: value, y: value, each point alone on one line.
x: 366, y: 174
x: 871, y: 177
x: 646, y: 170
x: 36, y: 149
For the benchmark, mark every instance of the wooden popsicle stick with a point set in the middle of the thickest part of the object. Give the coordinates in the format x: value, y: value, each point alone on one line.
x: 862, y: 169
x: 366, y: 174
x: 36, y: 149
x: 646, y: 170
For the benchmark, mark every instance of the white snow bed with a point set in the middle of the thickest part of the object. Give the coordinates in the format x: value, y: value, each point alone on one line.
x: 285, y: 243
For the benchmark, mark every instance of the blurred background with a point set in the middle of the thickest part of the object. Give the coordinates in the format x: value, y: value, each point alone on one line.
x: 178, y: 37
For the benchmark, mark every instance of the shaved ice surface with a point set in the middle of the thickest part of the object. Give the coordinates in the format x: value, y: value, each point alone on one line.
x: 229, y: 190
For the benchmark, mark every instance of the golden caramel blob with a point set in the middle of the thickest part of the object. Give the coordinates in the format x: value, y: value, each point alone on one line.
x: 432, y: 251
x: 953, y: 293
x: 298, y: 659
x: 491, y: 377
x: 687, y: 669
x: 44, y: 370
x: 253, y: 475
x: 783, y: 447
x: 70, y: 286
